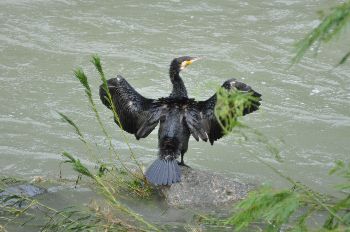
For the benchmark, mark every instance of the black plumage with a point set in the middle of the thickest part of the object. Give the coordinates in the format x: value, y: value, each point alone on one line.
x: 178, y: 115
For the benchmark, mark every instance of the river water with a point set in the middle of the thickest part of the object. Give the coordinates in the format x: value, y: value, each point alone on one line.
x: 305, y: 110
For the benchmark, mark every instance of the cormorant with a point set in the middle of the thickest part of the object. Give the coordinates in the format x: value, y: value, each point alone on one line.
x: 179, y: 117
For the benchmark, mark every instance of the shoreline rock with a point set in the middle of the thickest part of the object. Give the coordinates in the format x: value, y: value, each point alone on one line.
x: 204, y: 189
x: 8, y: 195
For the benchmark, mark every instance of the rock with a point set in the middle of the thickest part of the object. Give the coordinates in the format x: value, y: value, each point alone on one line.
x: 27, y: 190
x: 203, y: 189
x: 11, y: 195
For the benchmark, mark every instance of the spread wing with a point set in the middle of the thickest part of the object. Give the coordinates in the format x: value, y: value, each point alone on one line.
x: 201, y: 119
x: 137, y: 115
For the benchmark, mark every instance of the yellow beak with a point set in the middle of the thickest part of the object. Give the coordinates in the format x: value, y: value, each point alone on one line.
x: 188, y: 62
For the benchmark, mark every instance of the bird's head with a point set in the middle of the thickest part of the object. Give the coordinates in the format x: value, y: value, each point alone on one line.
x: 180, y: 63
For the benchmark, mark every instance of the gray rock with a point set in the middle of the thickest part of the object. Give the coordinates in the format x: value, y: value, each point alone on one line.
x: 27, y: 190
x: 203, y: 189
x: 11, y: 195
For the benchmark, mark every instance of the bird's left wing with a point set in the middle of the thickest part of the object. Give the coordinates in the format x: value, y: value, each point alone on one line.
x: 201, y: 119
x: 137, y: 115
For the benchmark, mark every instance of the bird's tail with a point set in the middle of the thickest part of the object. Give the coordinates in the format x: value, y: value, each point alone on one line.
x: 164, y: 172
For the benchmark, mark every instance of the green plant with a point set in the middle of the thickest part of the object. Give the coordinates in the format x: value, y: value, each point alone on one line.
x: 230, y: 106
x: 20, y: 211
x: 290, y: 209
x: 331, y: 25
x: 110, y: 178
x: 107, y: 190
x: 293, y: 208
x: 274, y: 210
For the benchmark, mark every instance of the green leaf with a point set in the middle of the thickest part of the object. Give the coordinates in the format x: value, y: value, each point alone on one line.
x: 342, y: 61
x: 96, y: 61
x: 331, y: 25
x: 80, y: 75
x: 76, y: 128
x: 275, y: 208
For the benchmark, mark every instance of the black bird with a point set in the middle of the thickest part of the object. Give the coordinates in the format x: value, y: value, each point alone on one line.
x: 179, y: 117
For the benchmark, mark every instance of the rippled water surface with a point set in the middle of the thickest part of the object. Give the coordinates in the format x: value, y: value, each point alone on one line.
x: 41, y: 42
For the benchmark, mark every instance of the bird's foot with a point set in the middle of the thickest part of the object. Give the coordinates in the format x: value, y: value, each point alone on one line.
x: 182, y: 163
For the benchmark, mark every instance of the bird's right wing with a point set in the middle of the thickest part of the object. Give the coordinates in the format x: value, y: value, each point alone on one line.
x: 201, y: 119
x: 137, y: 115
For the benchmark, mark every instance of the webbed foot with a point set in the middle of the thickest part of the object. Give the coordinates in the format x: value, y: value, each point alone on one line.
x: 182, y: 163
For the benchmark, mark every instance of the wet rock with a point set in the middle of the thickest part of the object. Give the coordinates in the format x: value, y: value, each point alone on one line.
x: 27, y: 190
x: 12, y: 195
x: 204, y: 189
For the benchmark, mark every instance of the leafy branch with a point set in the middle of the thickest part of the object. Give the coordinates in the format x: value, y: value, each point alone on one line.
x: 80, y: 168
x: 331, y: 25
x: 289, y: 208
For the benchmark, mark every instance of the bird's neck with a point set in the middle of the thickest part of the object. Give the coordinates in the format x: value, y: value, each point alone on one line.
x: 179, y: 89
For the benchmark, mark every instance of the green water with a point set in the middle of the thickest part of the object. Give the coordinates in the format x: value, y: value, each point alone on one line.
x: 306, y: 106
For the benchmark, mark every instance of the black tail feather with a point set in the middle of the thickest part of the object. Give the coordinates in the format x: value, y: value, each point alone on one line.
x: 164, y: 172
